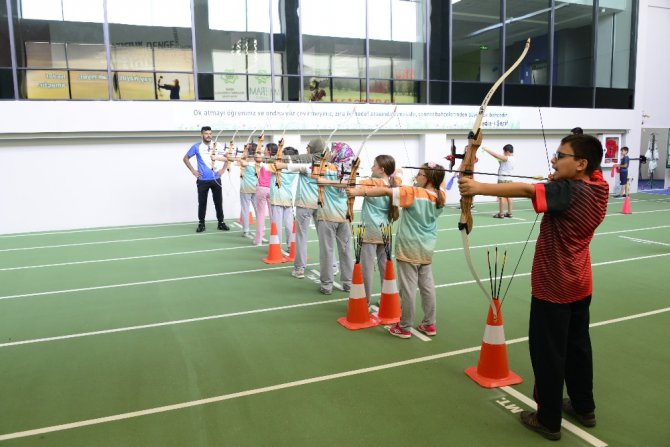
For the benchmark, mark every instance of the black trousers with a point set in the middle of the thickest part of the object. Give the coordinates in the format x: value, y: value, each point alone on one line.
x: 203, y: 188
x: 560, y: 351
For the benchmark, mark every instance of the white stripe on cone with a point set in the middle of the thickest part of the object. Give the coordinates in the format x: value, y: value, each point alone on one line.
x: 389, y: 287
x: 357, y: 291
x: 274, y: 239
x: 494, y: 335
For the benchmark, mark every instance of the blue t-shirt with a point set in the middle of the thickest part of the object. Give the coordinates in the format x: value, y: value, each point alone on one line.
x: 625, y: 160
x: 203, y: 152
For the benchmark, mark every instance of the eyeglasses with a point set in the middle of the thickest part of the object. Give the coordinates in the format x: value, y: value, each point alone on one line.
x: 559, y: 155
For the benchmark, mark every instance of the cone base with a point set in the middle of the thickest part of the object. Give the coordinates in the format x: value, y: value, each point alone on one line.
x: 387, y: 320
x: 488, y: 382
x: 389, y: 309
x: 273, y: 261
x: 372, y: 322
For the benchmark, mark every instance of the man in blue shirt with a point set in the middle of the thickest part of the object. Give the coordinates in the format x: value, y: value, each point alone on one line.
x: 209, y: 177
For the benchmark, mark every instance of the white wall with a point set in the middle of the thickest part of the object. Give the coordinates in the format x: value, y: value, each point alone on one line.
x: 79, y: 181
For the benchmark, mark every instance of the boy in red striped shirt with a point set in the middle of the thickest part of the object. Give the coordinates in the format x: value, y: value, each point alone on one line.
x: 574, y: 203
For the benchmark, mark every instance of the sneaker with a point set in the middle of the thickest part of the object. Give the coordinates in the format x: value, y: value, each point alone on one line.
x: 428, y: 329
x: 201, y: 228
x: 222, y: 226
x: 586, y: 419
x: 530, y: 421
x: 245, y: 234
x: 397, y: 331
x: 298, y: 273
x: 335, y: 271
x: 325, y: 291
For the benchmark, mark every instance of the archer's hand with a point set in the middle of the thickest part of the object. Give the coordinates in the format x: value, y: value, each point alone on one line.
x: 352, y: 192
x: 468, y: 187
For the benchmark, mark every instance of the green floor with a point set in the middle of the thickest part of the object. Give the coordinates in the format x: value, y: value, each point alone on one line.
x: 157, y: 336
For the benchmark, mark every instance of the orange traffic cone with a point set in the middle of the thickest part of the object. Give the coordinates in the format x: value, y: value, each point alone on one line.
x: 274, y: 249
x: 626, y: 206
x: 291, y: 250
x: 493, y: 369
x: 358, y: 316
x: 389, y: 303
x: 251, y: 219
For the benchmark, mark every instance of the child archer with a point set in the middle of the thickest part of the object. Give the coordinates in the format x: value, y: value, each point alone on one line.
x: 574, y: 202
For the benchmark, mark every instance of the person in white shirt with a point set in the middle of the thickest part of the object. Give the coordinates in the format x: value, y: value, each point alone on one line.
x: 506, y: 168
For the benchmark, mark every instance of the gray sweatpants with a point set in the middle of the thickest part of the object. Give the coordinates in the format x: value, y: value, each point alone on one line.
x: 411, y: 276
x: 303, y: 217
x: 247, y: 199
x: 340, y: 233
x: 371, y: 253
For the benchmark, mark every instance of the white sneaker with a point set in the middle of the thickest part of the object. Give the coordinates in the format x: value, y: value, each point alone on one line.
x: 298, y: 273
x: 245, y: 234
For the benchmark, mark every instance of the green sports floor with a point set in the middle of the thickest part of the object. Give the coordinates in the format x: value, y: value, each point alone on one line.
x: 157, y: 336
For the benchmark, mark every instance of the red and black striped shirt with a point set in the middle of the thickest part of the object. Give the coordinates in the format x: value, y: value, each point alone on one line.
x: 572, y: 209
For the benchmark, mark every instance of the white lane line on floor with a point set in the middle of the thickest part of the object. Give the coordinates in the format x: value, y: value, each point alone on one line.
x: 645, y: 241
x: 336, y: 285
x: 95, y: 230
x: 205, y: 234
x: 569, y: 426
x: 267, y: 389
x: 309, y: 241
x: 213, y: 275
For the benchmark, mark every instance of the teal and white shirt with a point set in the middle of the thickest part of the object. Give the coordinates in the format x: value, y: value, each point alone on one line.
x: 248, y: 181
x: 417, y: 231
x: 306, y: 194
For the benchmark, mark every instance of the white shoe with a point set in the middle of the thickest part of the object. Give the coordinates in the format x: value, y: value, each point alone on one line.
x: 298, y: 274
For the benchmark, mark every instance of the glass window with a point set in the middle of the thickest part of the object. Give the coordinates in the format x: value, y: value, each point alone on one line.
x: 332, y: 49
x: 528, y: 85
x: 5, y: 56
x: 476, y: 55
x: 233, y: 44
x: 397, y: 48
x: 151, y: 50
x: 55, y: 36
x: 476, y: 41
x: 573, y: 44
x: 614, y: 45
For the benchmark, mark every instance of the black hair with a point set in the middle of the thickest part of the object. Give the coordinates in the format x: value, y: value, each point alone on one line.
x: 204, y: 128
x: 586, y: 147
x: 290, y: 150
x: 272, y: 147
x: 577, y: 131
x: 625, y: 148
x: 251, y: 148
x: 508, y: 148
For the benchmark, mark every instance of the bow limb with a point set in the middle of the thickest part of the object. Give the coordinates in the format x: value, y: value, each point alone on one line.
x: 230, y: 149
x: 259, y: 147
x: 352, y: 184
x: 475, y: 138
x: 278, y: 157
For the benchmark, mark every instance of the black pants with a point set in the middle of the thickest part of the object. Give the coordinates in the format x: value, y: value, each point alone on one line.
x: 203, y: 188
x: 560, y: 351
